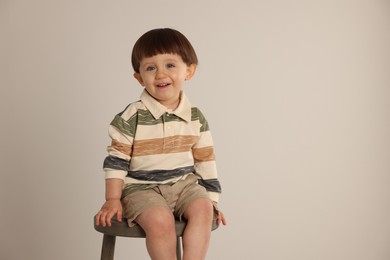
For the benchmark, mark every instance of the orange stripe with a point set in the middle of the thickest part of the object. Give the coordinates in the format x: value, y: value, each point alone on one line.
x: 121, y: 147
x: 172, y: 144
x: 204, y: 154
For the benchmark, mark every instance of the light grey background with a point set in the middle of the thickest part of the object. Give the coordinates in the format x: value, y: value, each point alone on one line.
x: 296, y: 93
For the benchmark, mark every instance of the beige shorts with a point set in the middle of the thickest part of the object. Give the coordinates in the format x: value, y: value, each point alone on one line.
x: 175, y: 197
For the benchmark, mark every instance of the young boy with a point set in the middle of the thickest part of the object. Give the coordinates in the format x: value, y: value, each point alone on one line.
x: 160, y: 165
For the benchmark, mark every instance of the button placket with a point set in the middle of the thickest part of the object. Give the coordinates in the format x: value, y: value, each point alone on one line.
x: 167, y: 132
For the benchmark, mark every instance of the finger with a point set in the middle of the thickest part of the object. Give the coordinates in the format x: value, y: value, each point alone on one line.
x: 224, y: 222
x: 108, y: 219
x: 219, y: 218
x: 97, y: 220
x: 103, y: 219
x: 119, y: 215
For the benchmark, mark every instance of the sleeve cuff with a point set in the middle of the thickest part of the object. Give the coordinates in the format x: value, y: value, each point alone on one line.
x: 214, y: 196
x: 114, y: 174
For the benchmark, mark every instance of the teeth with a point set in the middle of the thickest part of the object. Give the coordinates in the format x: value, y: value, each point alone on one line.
x: 162, y: 85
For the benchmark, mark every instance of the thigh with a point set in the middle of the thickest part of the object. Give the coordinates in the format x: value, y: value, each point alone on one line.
x: 135, y: 203
x: 190, y: 193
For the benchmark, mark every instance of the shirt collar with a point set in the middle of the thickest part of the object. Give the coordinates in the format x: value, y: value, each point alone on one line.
x: 183, y: 110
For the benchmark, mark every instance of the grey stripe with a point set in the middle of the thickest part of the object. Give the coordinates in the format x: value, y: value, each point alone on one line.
x: 160, y: 175
x: 115, y: 163
x: 211, y: 185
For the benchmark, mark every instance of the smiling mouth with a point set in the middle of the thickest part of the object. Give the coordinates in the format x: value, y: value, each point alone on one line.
x: 163, y: 85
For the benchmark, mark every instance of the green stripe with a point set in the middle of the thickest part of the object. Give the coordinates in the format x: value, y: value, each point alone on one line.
x: 144, y: 117
x: 125, y: 127
x: 196, y: 114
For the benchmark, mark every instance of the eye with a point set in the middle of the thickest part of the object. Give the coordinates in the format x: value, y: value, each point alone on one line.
x: 170, y: 65
x: 150, y: 68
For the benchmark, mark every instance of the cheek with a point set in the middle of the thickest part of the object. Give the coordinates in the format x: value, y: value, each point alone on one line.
x: 182, y: 75
x: 148, y: 79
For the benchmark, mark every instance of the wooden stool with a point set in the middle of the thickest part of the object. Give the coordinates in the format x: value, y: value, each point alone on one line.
x: 121, y: 229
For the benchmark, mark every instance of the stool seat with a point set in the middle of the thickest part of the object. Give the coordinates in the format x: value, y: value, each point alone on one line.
x: 122, y: 229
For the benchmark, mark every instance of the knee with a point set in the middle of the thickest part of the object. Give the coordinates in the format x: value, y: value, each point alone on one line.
x: 200, y: 209
x: 158, y: 221
x: 164, y: 222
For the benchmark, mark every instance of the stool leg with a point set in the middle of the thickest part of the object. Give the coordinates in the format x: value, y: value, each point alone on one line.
x: 178, y: 248
x: 108, y: 247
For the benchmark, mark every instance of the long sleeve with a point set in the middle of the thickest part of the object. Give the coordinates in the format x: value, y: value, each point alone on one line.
x: 121, y: 132
x: 204, y: 158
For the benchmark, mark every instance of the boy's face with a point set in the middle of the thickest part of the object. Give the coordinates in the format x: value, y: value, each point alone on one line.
x: 163, y: 76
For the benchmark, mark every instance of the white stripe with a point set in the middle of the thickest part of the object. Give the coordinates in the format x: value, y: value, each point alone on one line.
x: 129, y: 180
x: 116, y: 135
x: 207, y: 169
x: 161, y: 161
x: 205, y: 140
x: 116, y: 153
x: 115, y: 174
x: 168, y: 129
x: 131, y: 110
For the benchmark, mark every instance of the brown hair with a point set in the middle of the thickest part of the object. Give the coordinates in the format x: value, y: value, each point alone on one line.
x: 162, y: 41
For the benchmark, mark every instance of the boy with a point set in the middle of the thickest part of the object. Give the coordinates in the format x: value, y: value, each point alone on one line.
x: 160, y: 164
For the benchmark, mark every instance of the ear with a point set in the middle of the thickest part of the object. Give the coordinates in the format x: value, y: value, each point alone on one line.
x: 139, y: 78
x: 190, y: 71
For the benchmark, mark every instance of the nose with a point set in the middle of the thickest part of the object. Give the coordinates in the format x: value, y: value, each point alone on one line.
x: 160, y: 73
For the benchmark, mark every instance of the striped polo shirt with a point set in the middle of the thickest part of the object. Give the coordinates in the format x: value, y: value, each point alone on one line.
x: 154, y: 145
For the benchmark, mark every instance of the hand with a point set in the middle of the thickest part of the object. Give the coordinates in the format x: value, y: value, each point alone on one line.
x: 109, y: 209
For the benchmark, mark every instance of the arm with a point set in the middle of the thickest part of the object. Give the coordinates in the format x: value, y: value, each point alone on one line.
x: 205, y: 166
x: 113, y: 205
x: 115, y: 167
x: 204, y: 159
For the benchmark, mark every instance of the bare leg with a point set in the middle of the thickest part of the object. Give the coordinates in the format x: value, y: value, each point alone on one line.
x: 196, y: 237
x: 159, y: 226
